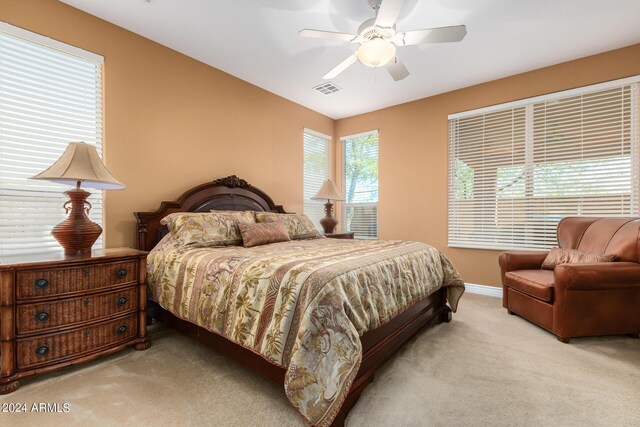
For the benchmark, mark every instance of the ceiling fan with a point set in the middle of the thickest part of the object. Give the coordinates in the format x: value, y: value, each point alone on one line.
x: 378, y: 39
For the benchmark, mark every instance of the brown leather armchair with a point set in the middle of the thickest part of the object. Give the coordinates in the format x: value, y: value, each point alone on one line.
x: 577, y: 300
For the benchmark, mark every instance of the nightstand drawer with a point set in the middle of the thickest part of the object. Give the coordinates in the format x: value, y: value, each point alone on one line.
x: 52, y: 348
x: 46, y: 315
x: 57, y: 281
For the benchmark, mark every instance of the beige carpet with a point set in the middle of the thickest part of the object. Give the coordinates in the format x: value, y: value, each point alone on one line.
x: 485, y: 368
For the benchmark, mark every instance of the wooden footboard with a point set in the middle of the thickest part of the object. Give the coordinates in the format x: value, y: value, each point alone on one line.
x: 378, y: 345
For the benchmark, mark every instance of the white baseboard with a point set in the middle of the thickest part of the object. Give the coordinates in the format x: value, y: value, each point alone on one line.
x: 491, y: 291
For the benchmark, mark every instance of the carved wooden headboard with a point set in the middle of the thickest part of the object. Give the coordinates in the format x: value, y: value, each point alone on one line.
x: 230, y: 193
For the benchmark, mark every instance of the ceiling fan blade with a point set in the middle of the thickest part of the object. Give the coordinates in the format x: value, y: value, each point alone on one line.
x: 389, y: 12
x: 341, y: 67
x: 397, y: 69
x: 431, y: 35
x: 319, y: 34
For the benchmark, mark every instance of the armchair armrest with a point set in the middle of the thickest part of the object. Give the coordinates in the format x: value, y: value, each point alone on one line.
x: 597, y: 276
x: 525, y: 260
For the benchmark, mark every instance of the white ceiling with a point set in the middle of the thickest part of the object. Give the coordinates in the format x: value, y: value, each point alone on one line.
x: 257, y: 41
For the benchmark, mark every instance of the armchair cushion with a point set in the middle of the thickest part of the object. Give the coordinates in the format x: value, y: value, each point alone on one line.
x: 597, y: 276
x: 559, y: 256
x: 536, y: 283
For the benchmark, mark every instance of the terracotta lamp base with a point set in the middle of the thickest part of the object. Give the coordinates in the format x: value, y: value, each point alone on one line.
x: 328, y: 223
x: 77, y: 233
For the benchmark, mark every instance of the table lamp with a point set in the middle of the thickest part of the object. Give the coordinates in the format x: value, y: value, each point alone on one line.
x: 328, y: 192
x: 79, y: 164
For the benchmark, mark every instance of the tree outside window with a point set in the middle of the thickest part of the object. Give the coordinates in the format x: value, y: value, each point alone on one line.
x: 360, y: 185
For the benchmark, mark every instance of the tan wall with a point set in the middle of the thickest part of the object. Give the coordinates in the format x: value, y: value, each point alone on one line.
x: 172, y: 122
x: 414, y: 142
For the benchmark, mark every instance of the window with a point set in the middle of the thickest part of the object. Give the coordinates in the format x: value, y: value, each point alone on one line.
x: 317, y: 168
x: 50, y: 95
x: 516, y: 169
x: 360, y: 184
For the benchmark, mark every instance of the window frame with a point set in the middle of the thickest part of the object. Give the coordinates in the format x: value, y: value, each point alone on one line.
x: 532, y: 167
x: 345, y: 204
x: 313, y: 208
x: 86, y: 72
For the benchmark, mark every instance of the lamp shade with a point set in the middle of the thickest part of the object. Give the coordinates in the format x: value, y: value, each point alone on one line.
x: 328, y: 191
x: 80, y: 162
x: 376, y: 52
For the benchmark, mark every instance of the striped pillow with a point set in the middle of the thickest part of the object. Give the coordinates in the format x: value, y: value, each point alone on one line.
x: 262, y: 234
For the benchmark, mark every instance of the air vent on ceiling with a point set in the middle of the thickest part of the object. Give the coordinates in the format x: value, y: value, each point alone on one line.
x: 327, y: 88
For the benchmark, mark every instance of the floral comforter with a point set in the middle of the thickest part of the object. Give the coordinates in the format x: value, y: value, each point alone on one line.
x: 301, y: 304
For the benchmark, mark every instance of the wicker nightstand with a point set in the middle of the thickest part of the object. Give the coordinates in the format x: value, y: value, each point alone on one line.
x: 346, y: 235
x: 57, y: 311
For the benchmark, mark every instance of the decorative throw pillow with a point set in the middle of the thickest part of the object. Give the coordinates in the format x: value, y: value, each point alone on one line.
x: 299, y: 226
x: 202, y: 229
x: 262, y: 234
x: 571, y: 256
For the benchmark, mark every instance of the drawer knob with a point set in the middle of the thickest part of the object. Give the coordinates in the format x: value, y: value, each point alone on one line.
x: 42, y: 317
x: 121, y: 329
x: 41, y: 283
x: 122, y: 301
x: 43, y: 350
x: 121, y: 273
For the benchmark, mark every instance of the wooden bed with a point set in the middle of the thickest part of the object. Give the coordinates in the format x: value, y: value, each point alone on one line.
x: 233, y: 193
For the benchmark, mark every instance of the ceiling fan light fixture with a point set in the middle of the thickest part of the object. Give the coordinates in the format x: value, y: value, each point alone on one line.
x: 376, y: 52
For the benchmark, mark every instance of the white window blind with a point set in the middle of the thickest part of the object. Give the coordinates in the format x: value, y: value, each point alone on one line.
x: 50, y: 95
x: 317, y: 168
x: 360, y: 184
x: 515, y: 170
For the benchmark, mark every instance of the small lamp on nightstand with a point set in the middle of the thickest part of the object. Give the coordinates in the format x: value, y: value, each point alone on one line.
x: 328, y: 192
x: 79, y: 164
